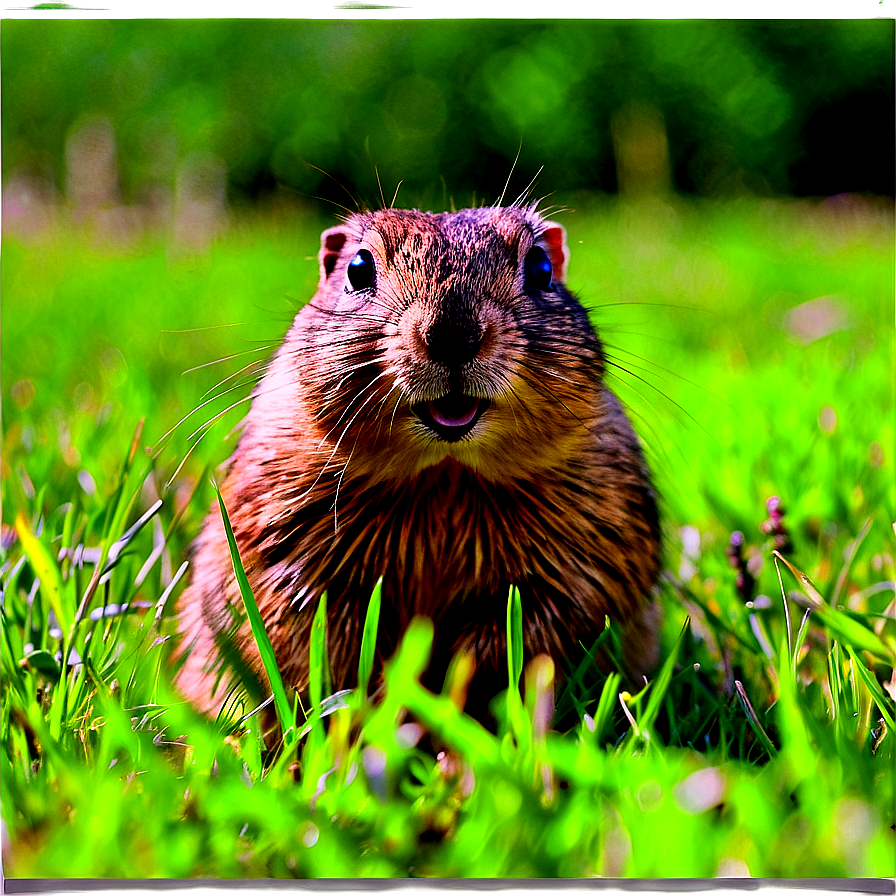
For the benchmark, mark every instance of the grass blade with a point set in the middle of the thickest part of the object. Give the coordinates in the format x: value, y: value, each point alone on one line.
x: 661, y: 683
x: 514, y: 638
x: 318, y: 673
x: 603, y: 715
x: 754, y: 720
x: 45, y: 569
x: 807, y: 585
x: 265, y: 649
x: 801, y: 634
x: 515, y: 715
x: 835, y: 683
x: 794, y: 726
x: 368, y: 639
x: 873, y: 686
x: 838, y: 622
x: 851, y: 631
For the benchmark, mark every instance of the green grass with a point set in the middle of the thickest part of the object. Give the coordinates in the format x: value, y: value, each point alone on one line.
x: 763, y: 746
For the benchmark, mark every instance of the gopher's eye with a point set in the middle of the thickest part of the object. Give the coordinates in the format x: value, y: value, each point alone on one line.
x: 537, y: 272
x: 361, y: 270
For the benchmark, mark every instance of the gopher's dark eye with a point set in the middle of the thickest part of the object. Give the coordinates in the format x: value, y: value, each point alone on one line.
x: 537, y: 272
x: 361, y: 270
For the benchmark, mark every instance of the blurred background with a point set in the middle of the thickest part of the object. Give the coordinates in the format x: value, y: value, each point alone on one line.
x: 174, y: 120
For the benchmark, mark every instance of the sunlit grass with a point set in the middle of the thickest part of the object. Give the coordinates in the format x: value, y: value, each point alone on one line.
x: 763, y: 746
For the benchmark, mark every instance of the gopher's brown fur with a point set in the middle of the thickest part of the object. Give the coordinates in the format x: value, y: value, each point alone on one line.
x: 445, y: 427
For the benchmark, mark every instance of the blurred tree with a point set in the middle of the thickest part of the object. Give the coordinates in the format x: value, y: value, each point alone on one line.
x: 727, y: 106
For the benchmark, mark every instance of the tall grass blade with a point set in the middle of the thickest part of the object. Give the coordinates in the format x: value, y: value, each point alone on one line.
x: 806, y: 583
x: 265, y: 649
x: 514, y: 638
x: 754, y: 720
x: 368, y: 639
x: 851, y: 631
x: 318, y: 688
x: 839, y: 622
x: 45, y: 569
x: 162, y: 602
x: 114, y: 523
x: 603, y: 715
x: 835, y: 683
x: 793, y: 726
x: 122, y: 542
x: 787, y: 626
x: 800, y: 640
x: 877, y: 692
x: 515, y: 715
x: 662, y: 681
x: 318, y: 673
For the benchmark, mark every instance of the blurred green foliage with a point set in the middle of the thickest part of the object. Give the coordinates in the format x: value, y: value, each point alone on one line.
x: 769, y: 107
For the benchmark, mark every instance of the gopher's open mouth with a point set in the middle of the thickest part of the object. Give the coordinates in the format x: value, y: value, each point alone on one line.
x: 452, y: 416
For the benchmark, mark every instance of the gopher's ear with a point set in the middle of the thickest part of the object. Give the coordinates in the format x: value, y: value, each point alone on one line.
x: 553, y: 241
x: 332, y: 242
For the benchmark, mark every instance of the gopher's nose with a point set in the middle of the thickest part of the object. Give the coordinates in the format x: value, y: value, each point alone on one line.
x: 453, y: 341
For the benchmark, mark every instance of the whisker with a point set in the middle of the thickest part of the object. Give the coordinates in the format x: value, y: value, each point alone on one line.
x: 326, y: 465
x: 205, y: 329
x: 382, y: 405
x: 684, y: 379
x: 345, y: 431
x: 354, y: 315
x: 660, y: 391
x: 558, y: 376
x: 535, y: 381
x: 395, y: 196
x: 339, y: 184
x: 242, y: 370
x: 395, y: 409
x: 380, y: 185
x: 551, y: 209
x: 616, y: 330
x: 191, y: 449
x: 161, y: 444
x: 512, y: 395
x: 368, y: 386
x: 248, y: 351
x: 518, y: 202
x: 500, y: 201
x: 344, y: 373
x: 209, y: 423
x: 647, y: 423
x: 339, y: 485
x: 207, y: 426
x: 597, y: 307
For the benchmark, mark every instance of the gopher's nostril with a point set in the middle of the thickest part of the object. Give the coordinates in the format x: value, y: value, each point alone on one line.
x: 453, y: 343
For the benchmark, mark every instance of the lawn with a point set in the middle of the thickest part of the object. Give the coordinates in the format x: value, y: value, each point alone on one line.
x: 753, y: 342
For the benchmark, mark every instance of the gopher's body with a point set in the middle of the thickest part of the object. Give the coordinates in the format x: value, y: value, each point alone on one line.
x: 436, y: 417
